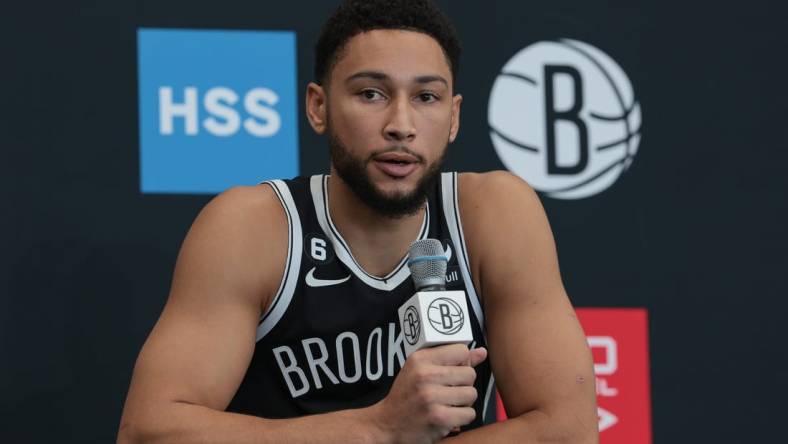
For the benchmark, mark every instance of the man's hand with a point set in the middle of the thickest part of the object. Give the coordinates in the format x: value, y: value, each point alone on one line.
x: 431, y: 395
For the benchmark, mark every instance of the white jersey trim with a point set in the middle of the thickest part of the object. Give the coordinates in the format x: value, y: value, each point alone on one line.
x: 292, y: 264
x: 449, y: 194
x: 319, y: 187
x: 488, y: 393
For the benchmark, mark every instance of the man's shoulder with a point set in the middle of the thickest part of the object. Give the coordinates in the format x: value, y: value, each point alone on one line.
x: 244, y: 213
x: 494, y: 206
x: 493, y: 190
x: 241, y: 234
x: 257, y: 200
x: 501, y: 214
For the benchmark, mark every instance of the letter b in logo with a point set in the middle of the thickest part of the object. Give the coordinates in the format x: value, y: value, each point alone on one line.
x: 411, y: 327
x: 563, y: 116
x: 570, y: 115
x: 445, y: 316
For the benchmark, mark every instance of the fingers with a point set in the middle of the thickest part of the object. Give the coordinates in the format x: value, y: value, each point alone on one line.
x: 462, y: 396
x: 477, y: 356
x: 447, y: 418
x: 452, y: 354
x: 444, y: 375
x: 454, y: 376
x: 433, y: 393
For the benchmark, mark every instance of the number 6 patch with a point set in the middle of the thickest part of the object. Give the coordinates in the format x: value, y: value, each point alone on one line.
x: 317, y: 247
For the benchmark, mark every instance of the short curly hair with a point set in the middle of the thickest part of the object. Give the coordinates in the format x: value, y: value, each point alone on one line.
x: 356, y: 16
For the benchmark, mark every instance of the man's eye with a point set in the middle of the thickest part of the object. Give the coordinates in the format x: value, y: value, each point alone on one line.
x: 371, y: 94
x: 428, y: 97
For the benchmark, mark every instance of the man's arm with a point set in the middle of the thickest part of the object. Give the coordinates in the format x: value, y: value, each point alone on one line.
x: 230, y: 265
x: 538, y: 351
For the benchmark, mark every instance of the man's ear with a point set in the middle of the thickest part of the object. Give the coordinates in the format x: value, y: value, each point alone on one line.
x: 316, y: 107
x: 456, y: 101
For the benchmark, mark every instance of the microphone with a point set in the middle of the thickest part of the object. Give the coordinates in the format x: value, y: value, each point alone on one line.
x: 432, y: 316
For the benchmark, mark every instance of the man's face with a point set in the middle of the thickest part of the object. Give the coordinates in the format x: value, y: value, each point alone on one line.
x: 389, y: 113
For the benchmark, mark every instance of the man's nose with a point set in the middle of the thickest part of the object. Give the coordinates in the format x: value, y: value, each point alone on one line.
x: 400, y: 126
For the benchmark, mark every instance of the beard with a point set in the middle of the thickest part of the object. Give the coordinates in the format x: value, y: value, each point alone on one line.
x: 353, y: 171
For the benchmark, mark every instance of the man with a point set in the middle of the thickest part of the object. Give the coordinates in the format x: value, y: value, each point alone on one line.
x: 280, y: 325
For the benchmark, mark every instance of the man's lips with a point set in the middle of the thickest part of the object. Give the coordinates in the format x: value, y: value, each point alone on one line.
x: 396, y: 170
x: 396, y: 164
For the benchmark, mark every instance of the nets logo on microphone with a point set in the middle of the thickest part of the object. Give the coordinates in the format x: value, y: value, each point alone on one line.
x: 411, y: 325
x: 563, y: 116
x: 217, y: 109
x: 445, y: 316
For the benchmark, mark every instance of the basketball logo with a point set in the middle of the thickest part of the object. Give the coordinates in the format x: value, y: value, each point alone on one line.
x: 445, y: 316
x: 411, y: 325
x: 563, y: 116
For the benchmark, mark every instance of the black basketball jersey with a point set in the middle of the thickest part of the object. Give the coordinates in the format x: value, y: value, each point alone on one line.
x: 330, y: 339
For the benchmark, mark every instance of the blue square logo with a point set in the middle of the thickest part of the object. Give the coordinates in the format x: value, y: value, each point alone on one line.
x: 217, y: 109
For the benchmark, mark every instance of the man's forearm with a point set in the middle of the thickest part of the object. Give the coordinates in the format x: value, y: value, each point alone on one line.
x: 531, y: 428
x: 189, y: 423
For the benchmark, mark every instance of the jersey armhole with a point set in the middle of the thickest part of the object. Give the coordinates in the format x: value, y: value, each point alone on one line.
x: 287, y: 286
x: 451, y: 210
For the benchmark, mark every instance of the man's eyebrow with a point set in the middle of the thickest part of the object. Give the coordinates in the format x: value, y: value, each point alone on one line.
x: 431, y: 78
x: 377, y: 75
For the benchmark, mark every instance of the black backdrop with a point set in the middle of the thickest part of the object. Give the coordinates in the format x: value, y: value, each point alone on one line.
x: 692, y: 231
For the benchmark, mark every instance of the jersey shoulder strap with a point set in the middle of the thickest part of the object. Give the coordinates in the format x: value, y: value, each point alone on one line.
x: 287, y: 285
x: 451, y: 211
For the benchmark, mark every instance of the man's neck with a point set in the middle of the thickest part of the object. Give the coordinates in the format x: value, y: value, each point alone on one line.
x: 377, y: 242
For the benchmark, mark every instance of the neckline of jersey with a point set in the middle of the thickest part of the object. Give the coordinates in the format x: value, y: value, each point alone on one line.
x: 341, y: 241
